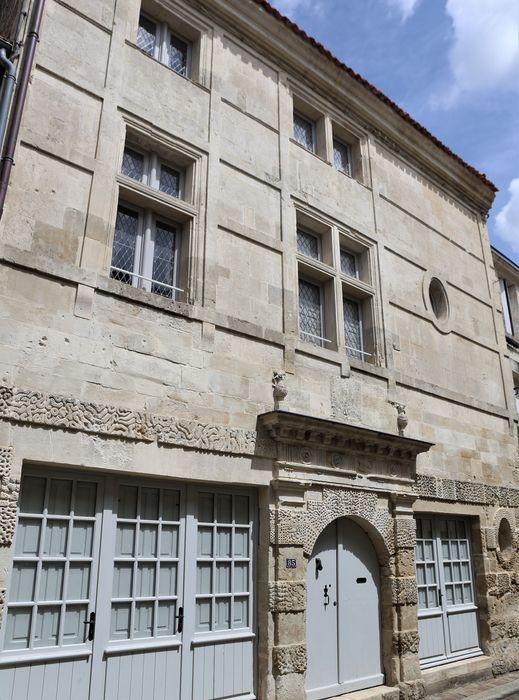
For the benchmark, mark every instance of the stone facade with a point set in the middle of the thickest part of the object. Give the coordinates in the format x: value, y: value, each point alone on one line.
x: 219, y: 384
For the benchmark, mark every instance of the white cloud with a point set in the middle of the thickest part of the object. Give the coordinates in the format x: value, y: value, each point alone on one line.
x: 507, y: 220
x: 290, y: 7
x: 484, y: 55
x: 405, y: 7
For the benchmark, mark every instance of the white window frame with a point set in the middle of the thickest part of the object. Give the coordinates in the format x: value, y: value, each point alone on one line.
x: 162, y: 41
x: 314, y: 133
x: 505, y: 303
x: 142, y: 272
x: 152, y: 167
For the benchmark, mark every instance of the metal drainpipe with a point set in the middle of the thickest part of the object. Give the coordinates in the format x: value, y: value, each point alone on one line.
x: 19, y: 100
x: 5, y: 102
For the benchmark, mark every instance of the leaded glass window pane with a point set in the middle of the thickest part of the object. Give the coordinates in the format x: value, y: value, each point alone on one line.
x: 177, y: 58
x: 308, y: 244
x: 169, y: 181
x: 133, y: 164
x: 348, y: 263
x: 342, y: 157
x: 310, y: 313
x: 125, y: 238
x: 352, y: 328
x: 164, y: 260
x: 146, y: 35
x: 304, y: 132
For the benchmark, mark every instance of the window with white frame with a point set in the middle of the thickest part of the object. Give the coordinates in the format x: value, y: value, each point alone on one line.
x: 342, y: 157
x: 505, y: 304
x: 304, y: 132
x: 146, y: 251
x: 158, y: 40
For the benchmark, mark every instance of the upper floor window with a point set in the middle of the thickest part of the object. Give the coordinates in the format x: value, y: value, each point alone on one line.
x: 149, y: 169
x: 342, y: 157
x: 308, y: 244
x: 153, y: 238
x: 336, y: 295
x: 505, y: 303
x: 158, y: 40
x: 304, y: 132
x: 146, y: 251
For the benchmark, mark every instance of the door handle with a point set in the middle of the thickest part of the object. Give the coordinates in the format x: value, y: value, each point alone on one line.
x: 180, y: 618
x: 326, y: 596
x: 440, y: 596
x: 318, y: 566
x: 91, y: 622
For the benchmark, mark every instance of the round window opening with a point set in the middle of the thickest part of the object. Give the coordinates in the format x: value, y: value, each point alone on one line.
x: 438, y: 299
x: 505, y: 539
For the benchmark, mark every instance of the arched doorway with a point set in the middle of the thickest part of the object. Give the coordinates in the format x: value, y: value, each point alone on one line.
x: 343, y: 613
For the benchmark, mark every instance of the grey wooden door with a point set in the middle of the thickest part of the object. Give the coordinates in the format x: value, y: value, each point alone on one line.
x: 129, y: 590
x: 447, y: 614
x: 343, y: 613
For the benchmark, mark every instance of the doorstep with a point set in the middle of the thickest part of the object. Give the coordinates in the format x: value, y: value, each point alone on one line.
x: 440, y: 678
x: 379, y: 692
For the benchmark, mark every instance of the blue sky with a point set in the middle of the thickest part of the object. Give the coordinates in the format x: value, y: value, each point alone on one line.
x: 452, y: 64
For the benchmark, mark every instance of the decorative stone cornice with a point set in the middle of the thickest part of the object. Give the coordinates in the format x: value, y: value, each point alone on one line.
x: 68, y: 413
x: 294, y: 428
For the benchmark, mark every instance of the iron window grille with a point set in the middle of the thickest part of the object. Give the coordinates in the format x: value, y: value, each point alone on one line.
x: 342, y: 157
x: 304, y: 132
x: 150, y: 170
x: 159, y: 41
x: 146, y: 252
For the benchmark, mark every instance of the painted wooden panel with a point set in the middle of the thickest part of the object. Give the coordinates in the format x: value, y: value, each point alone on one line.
x: 432, y: 641
x: 463, y: 630
x: 59, y: 680
x: 143, y: 675
x: 223, y: 670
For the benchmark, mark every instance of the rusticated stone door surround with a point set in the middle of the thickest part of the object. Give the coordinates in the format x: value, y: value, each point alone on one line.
x: 315, y: 484
x: 390, y: 525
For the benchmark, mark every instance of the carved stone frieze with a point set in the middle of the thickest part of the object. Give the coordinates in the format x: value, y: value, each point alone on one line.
x: 466, y: 491
x: 9, y: 493
x: 24, y: 406
x: 289, y: 659
x: 337, y: 503
x: 287, y: 596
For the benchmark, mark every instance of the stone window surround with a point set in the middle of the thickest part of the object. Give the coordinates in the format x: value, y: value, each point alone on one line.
x: 181, y: 212
x: 327, y: 129
x: 187, y: 26
x: 336, y: 285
